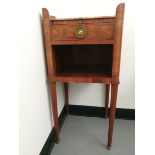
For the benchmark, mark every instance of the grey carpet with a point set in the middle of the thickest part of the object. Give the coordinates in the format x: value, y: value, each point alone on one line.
x: 88, y: 136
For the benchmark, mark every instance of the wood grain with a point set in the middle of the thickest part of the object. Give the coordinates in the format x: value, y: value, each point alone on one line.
x: 55, y: 110
x: 47, y: 37
x: 100, y: 30
x: 81, y: 79
x: 114, y: 89
x: 117, y: 42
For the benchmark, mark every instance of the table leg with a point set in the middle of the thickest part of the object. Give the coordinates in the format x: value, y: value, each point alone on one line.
x: 55, y: 110
x: 107, y: 100
x: 114, y: 89
x: 66, y: 98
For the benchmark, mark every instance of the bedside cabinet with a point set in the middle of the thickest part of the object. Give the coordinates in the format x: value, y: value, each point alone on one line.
x: 84, y: 50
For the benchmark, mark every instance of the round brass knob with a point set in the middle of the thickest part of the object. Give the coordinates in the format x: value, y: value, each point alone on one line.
x: 80, y: 32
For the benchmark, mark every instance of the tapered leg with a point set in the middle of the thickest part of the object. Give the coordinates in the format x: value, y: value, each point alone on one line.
x: 66, y: 97
x: 55, y: 110
x: 107, y: 100
x: 114, y: 89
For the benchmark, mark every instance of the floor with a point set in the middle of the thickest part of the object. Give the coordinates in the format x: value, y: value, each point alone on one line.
x: 88, y: 136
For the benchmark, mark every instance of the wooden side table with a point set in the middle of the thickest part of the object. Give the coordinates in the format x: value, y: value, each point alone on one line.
x: 84, y: 50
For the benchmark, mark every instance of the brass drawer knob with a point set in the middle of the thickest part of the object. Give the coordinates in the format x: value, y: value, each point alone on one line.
x: 80, y: 32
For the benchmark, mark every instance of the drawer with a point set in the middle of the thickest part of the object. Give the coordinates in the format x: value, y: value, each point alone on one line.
x: 82, y: 31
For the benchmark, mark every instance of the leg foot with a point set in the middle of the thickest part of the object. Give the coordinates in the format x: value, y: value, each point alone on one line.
x: 109, y: 147
x: 58, y: 141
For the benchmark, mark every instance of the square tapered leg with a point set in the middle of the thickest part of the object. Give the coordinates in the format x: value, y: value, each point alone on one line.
x: 107, y: 100
x: 66, y: 98
x: 114, y: 89
x: 55, y: 110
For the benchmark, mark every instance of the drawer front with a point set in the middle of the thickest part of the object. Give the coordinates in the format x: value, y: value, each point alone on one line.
x: 79, y: 31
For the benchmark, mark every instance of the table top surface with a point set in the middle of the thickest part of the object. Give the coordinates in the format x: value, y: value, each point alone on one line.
x: 80, y: 18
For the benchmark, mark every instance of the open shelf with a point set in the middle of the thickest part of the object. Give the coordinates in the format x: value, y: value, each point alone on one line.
x: 83, y: 60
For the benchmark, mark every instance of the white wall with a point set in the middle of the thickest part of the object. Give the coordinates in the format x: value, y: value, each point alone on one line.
x: 35, y: 122
x: 35, y: 119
